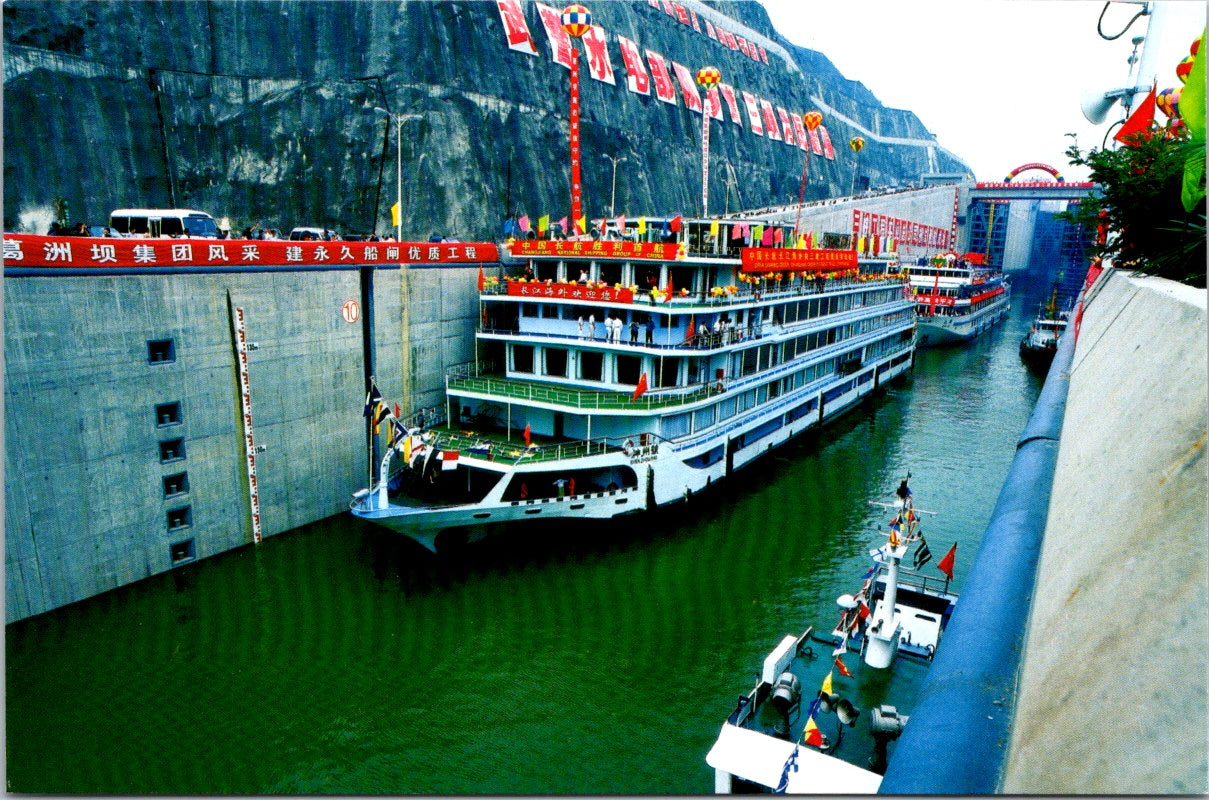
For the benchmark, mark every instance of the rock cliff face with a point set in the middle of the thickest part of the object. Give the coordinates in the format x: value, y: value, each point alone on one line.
x: 264, y: 113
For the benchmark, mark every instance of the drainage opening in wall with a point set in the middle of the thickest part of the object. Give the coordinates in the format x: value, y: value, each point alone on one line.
x: 182, y: 552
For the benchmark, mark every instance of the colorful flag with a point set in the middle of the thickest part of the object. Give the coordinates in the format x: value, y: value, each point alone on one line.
x: 527, y: 434
x: 382, y: 413
x: 407, y: 451
x: 642, y: 225
x: 562, y: 223
x: 826, y: 684
x: 372, y: 398
x: 922, y: 554
x: 543, y: 224
x: 713, y: 228
x: 894, y: 530
x: 1139, y: 122
x: 621, y: 224
x: 812, y: 735
x: 640, y: 388
x: 778, y: 235
x: 945, y: 565
x: 449, y: 460
x: 581, y: 225
x: 757, y: 233
x: 839, y: 664
x: 692, y: 330
x: 669, y: 286
x: 791, y: 763
x: 523, y: 223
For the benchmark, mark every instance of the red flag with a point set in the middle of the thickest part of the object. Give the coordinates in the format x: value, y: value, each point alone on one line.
x: 398, y: 412
x: 840, y: 666
x: 527, y: 434
x: 676, y: 223
x: 669, y: 286
x: 1140, y: 121
x: 640, y: 388
x: 945, y: 565
x: 863, y: 611
x: 482, y: 279
x: 692, y: 330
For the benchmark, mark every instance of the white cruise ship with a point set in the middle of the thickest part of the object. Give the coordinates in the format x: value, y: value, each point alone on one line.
x: 620, y: 374
x: 956, y: 298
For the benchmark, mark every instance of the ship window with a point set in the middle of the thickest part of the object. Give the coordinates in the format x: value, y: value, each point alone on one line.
x: 556, y: 362
x: 176, y: 484
x: 522, y: 358
x: 161, y: 351
x: 591, y: 365
x: 180, y: 552
x: 610, y: 272
x: 528, y: 309
x: 172, y: 450
x: 180, y: 518
x: 167, y: 414
x: 669, y: 370
x: 628, y: 370
x: 703, y: 418
x: 750, y: 359
x: 550, y: 311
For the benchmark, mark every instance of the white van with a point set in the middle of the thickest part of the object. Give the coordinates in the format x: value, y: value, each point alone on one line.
x: 305, y: 234
x: 163, y: 223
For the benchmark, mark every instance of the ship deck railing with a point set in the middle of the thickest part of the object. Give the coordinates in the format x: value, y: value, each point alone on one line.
x: 583, y: 399
x: 706, y: 301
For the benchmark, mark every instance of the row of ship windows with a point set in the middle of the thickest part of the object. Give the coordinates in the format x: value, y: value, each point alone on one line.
x: 783, y: 313
x: 676, y: 425
x: 590, y: 365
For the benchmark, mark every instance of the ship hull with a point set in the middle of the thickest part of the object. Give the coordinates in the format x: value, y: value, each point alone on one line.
x: 941, y: 330
x: 648, y: 477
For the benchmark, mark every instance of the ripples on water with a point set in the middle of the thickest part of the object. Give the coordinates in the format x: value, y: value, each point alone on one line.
x: 582, y: 659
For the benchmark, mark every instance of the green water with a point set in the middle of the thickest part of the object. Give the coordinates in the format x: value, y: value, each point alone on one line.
x: 341, y: 659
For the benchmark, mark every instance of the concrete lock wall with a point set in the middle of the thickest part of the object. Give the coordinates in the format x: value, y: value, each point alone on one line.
x: 88, y: 494
x: 1113, y: 683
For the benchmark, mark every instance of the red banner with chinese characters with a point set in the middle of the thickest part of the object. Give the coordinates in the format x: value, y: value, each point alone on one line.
x: 599, y: 248
x: 935, y: 300
x: 774, y: 259
x: 30, y: 250
x: 570, y: 291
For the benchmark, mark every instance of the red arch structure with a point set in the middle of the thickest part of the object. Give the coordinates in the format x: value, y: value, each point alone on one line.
x: 1035, y: 165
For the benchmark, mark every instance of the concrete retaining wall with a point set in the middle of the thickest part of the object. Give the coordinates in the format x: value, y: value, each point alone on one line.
x: 1113, y: 689
x: 85, y: 501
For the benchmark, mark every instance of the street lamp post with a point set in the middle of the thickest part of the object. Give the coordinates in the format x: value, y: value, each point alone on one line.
x: 399, y: 120
x: 613, y: 194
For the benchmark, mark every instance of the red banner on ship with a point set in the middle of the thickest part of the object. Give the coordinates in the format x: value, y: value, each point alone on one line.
x: 570, y: 291
x: 773, y: 259
x: 30, y: 250
x: 559, y: 248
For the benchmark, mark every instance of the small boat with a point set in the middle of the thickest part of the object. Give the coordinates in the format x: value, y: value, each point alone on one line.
x: 957, y: 297
x: 621, y: 374
x: 1039, y: 345
x: 774, y: 740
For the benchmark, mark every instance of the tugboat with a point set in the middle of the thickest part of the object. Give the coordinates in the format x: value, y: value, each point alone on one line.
x: 1039, y: 345
x: 636, y: 369
x: 775, y: 740
x: 957, y: 297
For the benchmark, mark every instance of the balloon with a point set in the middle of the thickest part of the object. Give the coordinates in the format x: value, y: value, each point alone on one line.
x: 576, y: 20
x: 1175, y: 101
x: 1196, y: 45
x: 856, y: 144
x: 1183, y: 68
x: 708, y: 76
x: 1163, y: 101
x: 813, y: 119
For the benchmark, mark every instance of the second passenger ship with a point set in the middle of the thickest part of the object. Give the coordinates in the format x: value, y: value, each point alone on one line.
x: 623, y: 373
